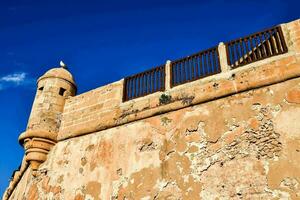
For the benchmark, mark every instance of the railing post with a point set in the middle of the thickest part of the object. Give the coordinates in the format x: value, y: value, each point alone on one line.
x: 290, y: 34
x: 168, y: 75
x: 223, y: 57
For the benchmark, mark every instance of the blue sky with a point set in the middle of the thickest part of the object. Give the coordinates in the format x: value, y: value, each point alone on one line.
x: 104, y: 41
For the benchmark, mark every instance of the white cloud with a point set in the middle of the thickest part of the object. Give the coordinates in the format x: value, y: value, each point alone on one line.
x: 16, y: 78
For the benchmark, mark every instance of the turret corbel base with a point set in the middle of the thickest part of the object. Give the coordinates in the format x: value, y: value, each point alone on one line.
x: 37, y: 145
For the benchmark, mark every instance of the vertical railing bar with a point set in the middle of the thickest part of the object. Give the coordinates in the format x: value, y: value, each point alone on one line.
x: 232, y: 55
x: 174, y: 75
x: 125, y: 89
x: 183, y: 71
x: 200, y: 65
x: 267, y: 44
x: 137, y: 86
x: 176, y: 72
x: 157, y: 79
x: 186, y: 64
x: 264, y: 53
x: 218, y: 60
x: 143, y: 84
x: 140, y: 84
x: 172, y: 69
x: 133, y: 87
x: 196, y: 65
x: 179, y: 74
x: 146, y: 83
x: 228, y: 53
x: 191, y: 68
x: 214, y: 61
x: 162, y: 73
x: 237, y: 62
x: 259, y: 54
x: 252, y: 48
x: 206, y: 64
x: 186, y: 70
x: 242, y: 51
x: 209, y: 62
x: 277, y: 41
x: 272, y: 43
x: 282, y: 39
x: 152, y: 80
x: 246, y: 41
x: 174, y: 66
x: 203, y: 65
x: 129, y: 89
x: 149, y: 82
x: 186, y: 67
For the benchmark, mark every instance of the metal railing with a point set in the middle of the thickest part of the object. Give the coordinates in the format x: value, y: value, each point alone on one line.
x: 255, y: 47
x: 194, y: 67
x: 144, y: 83
x: 239, y: 52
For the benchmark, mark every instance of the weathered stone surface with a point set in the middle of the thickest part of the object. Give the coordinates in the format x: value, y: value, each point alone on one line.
x: 251, y: 150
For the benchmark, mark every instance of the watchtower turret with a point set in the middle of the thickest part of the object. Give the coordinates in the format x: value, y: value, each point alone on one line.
x: 41, y: 134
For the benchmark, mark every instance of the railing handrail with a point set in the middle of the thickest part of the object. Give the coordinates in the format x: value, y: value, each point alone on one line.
x: 195, y: 54
x: 252, y: 34
x: 144, y: 72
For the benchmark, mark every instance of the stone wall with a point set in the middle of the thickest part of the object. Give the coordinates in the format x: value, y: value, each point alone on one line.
x: 243, y: 146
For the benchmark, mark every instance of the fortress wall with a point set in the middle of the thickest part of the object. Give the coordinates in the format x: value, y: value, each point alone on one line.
x: 245, y: 145
x: 102, y: 108
x: 229, y: 136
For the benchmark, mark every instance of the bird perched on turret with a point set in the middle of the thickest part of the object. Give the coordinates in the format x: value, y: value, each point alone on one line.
x: 62, y: 64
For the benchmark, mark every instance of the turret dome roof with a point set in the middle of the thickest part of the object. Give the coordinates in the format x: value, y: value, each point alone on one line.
x: 59, y: 72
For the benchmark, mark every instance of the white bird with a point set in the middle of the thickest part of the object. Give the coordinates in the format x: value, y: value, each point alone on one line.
x: 62, y: 64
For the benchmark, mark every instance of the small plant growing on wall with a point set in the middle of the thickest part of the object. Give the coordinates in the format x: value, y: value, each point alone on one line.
x: 165, y: 99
